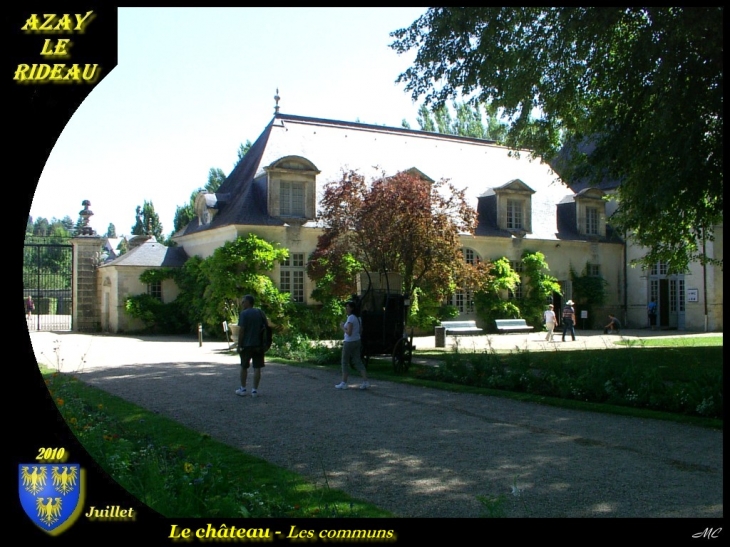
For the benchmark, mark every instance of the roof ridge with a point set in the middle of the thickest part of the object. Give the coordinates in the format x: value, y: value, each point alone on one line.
x: 384, y: 128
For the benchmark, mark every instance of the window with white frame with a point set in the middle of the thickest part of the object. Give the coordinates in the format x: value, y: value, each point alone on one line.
x: 470, y: 256
x: 462, y: 299
x: 660, y: 268
x: 518, y: 267
x: 515, y: 216
x: 592, y: 221
x: 291, y: 198
x: 292, y: 276
x: 154, y: 289
x: 593, y: 270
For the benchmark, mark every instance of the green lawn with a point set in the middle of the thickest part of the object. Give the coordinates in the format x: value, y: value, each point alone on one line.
x: 679, y: 342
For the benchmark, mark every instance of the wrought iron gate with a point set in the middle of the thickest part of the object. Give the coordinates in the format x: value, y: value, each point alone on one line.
x: 48, y: 281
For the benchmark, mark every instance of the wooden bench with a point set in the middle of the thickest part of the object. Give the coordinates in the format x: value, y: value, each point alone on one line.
x: 460, y: 327
x: 512, y: 325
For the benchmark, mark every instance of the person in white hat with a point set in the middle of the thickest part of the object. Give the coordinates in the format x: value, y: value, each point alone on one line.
x: 569, y: 319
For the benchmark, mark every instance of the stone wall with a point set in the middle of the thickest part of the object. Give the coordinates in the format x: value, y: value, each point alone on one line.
x: 86, y: 289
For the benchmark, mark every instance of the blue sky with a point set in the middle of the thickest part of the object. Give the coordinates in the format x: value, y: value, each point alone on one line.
x: 193, y: 83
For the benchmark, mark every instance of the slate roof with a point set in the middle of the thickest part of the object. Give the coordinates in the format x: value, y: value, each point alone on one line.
x: 585, y: 147
x: 332, y: 146
x: 151, y: 254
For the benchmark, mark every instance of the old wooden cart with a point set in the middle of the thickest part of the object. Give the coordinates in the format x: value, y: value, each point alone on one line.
x: 383, y: 316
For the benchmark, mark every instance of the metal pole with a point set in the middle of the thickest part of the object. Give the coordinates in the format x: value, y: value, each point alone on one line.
x: 38, y: 290
x: 200, y: 335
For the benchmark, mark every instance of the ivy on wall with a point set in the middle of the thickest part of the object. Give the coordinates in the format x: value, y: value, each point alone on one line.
x: 589, y: 291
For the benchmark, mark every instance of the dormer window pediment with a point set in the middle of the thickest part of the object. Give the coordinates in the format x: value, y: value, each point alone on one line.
x: 292, y: 187
x: 590, y: 208
x: 514, y: 207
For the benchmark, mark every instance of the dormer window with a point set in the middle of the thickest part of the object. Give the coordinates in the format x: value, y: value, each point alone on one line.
x: 514, y: 207
x: 292, y: 189
x: 591, y: 212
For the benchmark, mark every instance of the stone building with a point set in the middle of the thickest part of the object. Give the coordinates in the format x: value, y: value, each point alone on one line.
x: 522, y: 205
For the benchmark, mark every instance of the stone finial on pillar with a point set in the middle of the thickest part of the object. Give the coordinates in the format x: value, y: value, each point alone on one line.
x: 276, y: 98
x: 85, y: 214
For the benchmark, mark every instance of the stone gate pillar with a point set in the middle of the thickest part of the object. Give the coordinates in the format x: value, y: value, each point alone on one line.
x: 86, y: 316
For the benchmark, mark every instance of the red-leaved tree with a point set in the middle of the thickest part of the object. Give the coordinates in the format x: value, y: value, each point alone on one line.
x: 399, y: 223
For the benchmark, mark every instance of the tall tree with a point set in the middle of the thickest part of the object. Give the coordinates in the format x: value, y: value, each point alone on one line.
x: 243, y: 149
x: 111, y: 231
x: 216, y: 176
x: 425, y: 122
x: 642, y: 86
x: 185, y: 213
x: 148, y: 221
x: 41, y: 227
x: 397, y: 224
x: 469, y: 121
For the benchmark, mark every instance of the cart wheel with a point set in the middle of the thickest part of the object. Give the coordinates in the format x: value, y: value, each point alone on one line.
x: 401, y: 357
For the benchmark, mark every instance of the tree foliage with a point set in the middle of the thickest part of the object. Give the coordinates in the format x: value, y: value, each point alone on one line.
x: 184, y: 214
x: 639, y: 89
x: 55, y: 228
x: 148, y: 221
x: 537, y: 287
x: 488, y: 299
x: 400, y: 224
x: 469, y: 121
x: 240, y: 267
x: 243, y: 149
x: 589, y: 291
x: 211, y: 289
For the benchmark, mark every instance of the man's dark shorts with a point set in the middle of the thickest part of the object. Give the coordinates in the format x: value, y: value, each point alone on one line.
x: 252, y: 354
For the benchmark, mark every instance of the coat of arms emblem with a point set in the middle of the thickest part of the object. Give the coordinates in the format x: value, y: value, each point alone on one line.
x: 52, y: 494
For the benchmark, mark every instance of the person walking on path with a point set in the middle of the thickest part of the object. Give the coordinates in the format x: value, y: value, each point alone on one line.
x: 251, y: 322
x: 550, y: 320
x: 651, y: 311
x: 569, y: 319
x: 29, y: 307
x: 351, y: 348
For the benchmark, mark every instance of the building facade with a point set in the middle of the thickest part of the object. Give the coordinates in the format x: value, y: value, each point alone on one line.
x: 522, y: 205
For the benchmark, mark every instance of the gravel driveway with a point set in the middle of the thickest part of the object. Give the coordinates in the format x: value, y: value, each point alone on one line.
x: 415, y: 451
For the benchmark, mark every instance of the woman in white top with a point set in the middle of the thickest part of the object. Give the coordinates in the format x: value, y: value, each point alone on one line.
x: 351, y: 348
x: 550, y: 322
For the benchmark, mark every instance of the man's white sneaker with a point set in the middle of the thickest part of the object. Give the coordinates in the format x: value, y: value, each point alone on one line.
x: 341, y: 385
x: 241, y: 392
x: 254, y: 393
x: 365, y: 385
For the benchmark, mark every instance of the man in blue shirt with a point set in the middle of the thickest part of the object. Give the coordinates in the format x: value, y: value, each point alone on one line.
x: 569, y: 319
x: 251, y: 322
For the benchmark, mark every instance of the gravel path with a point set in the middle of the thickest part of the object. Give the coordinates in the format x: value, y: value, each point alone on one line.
x: 414, y: 451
